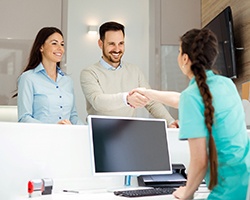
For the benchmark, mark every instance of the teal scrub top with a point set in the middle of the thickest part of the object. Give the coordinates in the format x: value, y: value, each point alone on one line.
x: 229, y: 132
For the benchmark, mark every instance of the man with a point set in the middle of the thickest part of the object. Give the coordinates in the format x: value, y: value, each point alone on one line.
x: 106, y: 84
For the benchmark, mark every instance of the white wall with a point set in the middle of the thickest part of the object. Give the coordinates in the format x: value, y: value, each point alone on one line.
x: 20, y: 21
x: 82, y: 49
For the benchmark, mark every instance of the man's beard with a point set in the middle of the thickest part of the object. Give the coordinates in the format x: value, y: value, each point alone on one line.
x: 110, y: 58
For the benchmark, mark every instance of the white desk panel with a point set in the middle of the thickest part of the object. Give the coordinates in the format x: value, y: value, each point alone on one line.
x: 60, y: 152
x: 102, y: 195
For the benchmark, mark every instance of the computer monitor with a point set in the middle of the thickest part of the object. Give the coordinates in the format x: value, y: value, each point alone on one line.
x: 129, y: 146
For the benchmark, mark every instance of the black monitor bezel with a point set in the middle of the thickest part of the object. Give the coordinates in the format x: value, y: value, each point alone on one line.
x: 136, y: 173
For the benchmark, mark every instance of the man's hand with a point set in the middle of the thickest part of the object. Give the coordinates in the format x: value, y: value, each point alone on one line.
x: 174, y: 124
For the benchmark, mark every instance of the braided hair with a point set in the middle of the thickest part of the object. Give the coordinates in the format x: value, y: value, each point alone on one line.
x: 202, y: 48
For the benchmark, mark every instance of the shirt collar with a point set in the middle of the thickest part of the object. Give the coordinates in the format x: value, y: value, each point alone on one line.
x: 209, y: 73
x: 40, y: 67
x: 108, y: 66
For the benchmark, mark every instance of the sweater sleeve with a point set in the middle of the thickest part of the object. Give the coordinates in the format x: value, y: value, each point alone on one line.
x: 94, y: 94
x: 159, y: 111
x: 156, y: 109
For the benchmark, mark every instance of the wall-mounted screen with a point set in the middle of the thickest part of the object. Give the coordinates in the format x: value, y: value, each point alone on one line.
x: 222, y: 26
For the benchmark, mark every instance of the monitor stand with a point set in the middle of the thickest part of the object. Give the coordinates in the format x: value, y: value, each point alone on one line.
x: 127, y: 180
x: 127, y: 185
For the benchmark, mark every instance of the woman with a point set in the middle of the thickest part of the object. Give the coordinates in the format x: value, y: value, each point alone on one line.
x: 45, y: 93
x: 211, y: 117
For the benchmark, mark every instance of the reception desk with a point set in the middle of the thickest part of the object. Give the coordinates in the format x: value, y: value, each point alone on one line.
x: 60, y: 152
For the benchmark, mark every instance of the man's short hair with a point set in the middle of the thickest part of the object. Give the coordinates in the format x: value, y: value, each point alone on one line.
x: 110, y: 26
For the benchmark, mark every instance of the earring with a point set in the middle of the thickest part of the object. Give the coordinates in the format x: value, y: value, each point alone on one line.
x: 183, y: 66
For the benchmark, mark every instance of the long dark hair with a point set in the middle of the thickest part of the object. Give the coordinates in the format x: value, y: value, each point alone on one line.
x: 35, y: 57
x: 202, y: 48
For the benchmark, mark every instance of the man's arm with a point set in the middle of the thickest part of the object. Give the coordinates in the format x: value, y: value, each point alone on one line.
x: 158, y: 110
x: 95, y: 96
x: 155, y: 108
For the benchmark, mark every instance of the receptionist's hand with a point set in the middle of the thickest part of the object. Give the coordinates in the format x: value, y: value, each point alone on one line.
x: 180, y: 193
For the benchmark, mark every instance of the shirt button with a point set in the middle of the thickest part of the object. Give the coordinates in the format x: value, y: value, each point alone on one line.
x: 60, y: 96
x: 57, y: 86
x: 60, y: 117
x: 60, y: 106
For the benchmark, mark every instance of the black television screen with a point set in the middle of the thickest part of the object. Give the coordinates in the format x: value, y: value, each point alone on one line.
x: 222, y: 26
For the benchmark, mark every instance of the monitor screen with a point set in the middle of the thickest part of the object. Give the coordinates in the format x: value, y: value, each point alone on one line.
x: 129, y: 146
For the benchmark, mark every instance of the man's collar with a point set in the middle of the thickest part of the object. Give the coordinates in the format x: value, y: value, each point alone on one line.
x: 108, y: 66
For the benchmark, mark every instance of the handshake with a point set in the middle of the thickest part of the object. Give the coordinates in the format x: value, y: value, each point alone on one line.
x: 140, y: 97
x: 137, y: 98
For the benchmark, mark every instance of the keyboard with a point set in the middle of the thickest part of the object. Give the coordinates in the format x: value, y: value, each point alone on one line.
x: 145, y: 192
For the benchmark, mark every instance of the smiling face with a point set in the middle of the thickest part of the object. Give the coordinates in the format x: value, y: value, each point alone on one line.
x: 112, y: 47
x: 53, y: 49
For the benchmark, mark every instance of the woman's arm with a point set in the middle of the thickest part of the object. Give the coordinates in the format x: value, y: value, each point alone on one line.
x: 168, y: 98
x: 197, y: 168
x: 25, y: 100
